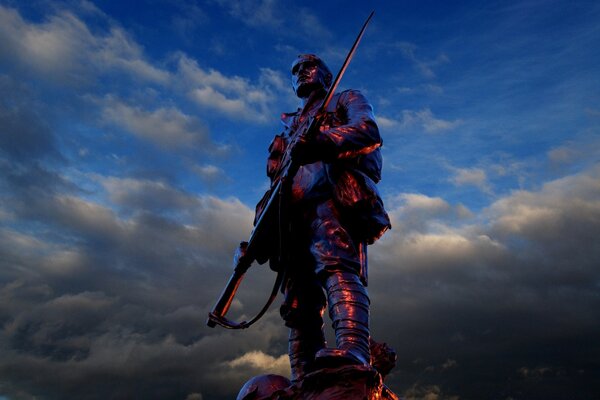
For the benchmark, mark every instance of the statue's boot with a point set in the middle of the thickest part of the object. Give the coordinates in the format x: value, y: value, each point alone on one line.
x: 303, y: 344
x: 348, y: 303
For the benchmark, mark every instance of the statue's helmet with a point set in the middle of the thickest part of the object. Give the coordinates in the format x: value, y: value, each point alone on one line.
x: 262, y: 386
x: 324, y: 76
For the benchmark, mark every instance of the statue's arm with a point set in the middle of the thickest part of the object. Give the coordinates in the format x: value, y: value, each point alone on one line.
x: 358, y: 135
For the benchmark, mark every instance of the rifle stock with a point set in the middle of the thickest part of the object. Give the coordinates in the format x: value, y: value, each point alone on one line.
x: 254, y: 251
x: 217, y: 315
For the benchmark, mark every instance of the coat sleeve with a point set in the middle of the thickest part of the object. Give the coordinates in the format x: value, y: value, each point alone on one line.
x: 358, y: 133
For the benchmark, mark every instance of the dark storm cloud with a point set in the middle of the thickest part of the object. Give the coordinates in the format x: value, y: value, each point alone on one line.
x: 127, y: 298
x: 517, y: 291
x: 116, y: 292
x: 473, y: 298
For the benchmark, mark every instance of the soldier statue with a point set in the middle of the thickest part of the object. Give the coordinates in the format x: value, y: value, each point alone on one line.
x: 333, y: 212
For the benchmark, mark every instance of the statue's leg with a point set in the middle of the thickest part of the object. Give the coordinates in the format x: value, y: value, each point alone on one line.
x: 302, y: 311
x: 338, y: 264
x: 348, y: 304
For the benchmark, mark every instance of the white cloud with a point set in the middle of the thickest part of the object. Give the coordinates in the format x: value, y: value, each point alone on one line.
x: 234, y: 96
x: 425, y: 253
x: 415, y: 212
x: 417, y: 201
x: 63, y: 48
x: 471, y: 176
x: 166, y: 127
x: 208, y: 173
x: 262, y: 363
x: 424, y: 119
x: 562, y: 211
x: 560, y: 219
x: 562, y: 154
x: 574, y: 152
x: 386, y: 123
x: 430, y: 123
x: 146, y: 194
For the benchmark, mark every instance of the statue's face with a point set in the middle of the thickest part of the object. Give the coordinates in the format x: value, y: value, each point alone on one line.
x: 306, y: 78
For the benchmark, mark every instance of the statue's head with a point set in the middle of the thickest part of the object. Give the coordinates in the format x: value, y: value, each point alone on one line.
x: 310, y: 73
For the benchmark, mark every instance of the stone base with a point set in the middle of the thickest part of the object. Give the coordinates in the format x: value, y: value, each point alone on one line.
x: 350, y: 382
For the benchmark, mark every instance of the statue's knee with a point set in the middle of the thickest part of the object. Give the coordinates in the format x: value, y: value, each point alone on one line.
x: 299, y: 317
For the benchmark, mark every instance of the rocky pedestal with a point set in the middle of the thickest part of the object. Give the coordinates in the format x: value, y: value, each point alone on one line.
x: 350, y: 382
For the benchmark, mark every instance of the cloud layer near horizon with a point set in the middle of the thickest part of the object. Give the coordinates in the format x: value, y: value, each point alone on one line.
x: 125, y: 301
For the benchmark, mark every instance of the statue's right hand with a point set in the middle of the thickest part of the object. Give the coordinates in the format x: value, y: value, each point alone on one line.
x: 240, y: 258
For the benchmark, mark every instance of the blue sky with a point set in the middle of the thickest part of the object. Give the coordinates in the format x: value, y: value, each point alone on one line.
x: 133, y: 144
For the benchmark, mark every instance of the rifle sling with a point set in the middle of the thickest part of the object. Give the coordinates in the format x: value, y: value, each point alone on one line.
x: 229, y: 324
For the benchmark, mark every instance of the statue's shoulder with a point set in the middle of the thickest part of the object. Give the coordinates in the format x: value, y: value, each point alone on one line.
x: 350, y: 95
x: 347, y: 98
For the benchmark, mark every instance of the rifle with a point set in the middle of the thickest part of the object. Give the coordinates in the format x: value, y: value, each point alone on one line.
x: 259, y: 235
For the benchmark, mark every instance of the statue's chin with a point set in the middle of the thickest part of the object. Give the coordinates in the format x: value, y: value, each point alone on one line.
x: 306, y: 89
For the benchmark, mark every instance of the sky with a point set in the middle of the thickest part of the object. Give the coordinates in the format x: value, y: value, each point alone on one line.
x: 133, y: 143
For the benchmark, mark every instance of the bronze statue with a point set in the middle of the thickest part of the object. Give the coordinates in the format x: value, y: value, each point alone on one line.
x: 334, y: 212
x: 323, y: 167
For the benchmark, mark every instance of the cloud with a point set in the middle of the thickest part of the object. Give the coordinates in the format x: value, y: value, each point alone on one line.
x: 188, y: 19
x: 415, y: 212
x: 208, y: 173
x: 449, y: 363
x: 24, y: 134
x: 386, y: 123
x: 561, y: 214
x: 562, y: 154
x: 126, y: 298
x: 273, y: 15
x: 234, y: 96
x: 165, y: 127
x: 471, y: 176
x: 312, y: 27
x: 63, y: 48
x: 523, y: 268
x: 424, y: 119
x: 255, y: 13
x: 573, y: 153
x: 261, y: 363
x: 145, y: 194
x: 131, y: 308
x: 426, y: 392
x: 424, y: 67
